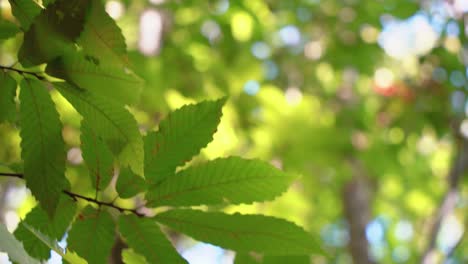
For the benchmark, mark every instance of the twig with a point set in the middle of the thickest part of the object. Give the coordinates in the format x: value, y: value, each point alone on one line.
x: 102, y: 203
x: 76, y: 196
x: 10, y: 174
x: 22, y: 72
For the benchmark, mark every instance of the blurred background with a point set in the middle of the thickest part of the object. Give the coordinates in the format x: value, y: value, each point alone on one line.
x: 365, y: 99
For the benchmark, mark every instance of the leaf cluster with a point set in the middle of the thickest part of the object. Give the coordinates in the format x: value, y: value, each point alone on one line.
x: 85, y: 49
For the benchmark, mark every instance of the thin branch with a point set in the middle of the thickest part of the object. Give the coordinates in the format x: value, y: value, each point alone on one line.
x: 23, y: 72
x: 76, y: 196
x: 15, y: 175
x: 102, y: 203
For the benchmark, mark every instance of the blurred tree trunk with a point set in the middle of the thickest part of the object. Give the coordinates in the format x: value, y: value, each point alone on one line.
x: 356, y: 203
x: 116, y: 253
x: 448, y: 203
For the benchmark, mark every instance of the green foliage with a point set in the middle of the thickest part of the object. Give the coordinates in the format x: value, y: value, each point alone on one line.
x: 92, y: 235
x: 7, y: 97
x: 105, y: 80
x: 179, y: 137
x: 25, y: 11
x: 146, y: 238
x: 101, y: 38
x: 97, y: 157
x: 54, y: 229
x: 42, y: 146
x: 80, y: 44
x: 53, y: 32
x: 228, y: 180
x: 52, y: 244
x: 130, y: 257
x: 13, y: 248
x: 7, y: 29
x: 249, y: 259
x: 111, y: 121
x: 129, y: 184
x: 242, y: 233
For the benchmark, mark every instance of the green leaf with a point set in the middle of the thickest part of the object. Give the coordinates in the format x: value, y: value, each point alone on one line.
x: 146, y: 238
x: 97, y: 156
x: 248, y: 259
x: 25, y: 11
x: 7, y: 97
x: 244, y: 258
x: 42, y: 146
x: 233, y: 180
x: 286, y: 259
x: 112, y: 122
x: 7, y: 29
x: 47, y: 2
x: 109, y: 81
x: 51, y: 244
x: 129, y: 184
x: 53, y: 32
x: 13, y: 247
x: 55, y: 229
x: 129, y: 256
x: 242, y: 233
x: 180, y: 136
x: 102, y: 38
x: 92, y: 235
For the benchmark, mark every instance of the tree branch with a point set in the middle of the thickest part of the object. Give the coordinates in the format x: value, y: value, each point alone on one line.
x: 76, y: 196
x: 23, y: 72
x: 10, y: 174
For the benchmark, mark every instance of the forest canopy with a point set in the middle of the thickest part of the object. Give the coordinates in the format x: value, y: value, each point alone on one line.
x: 255, y: 131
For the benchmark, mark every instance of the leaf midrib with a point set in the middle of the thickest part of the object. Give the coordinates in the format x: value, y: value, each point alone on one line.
x: 128, y: 141
x: 165, y: 136
x: 93, y: 29
x: 234, y: 234
x: 41, y: 132
x: 141, y: 235
x: 132, y: 81
x: 169, y: 196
